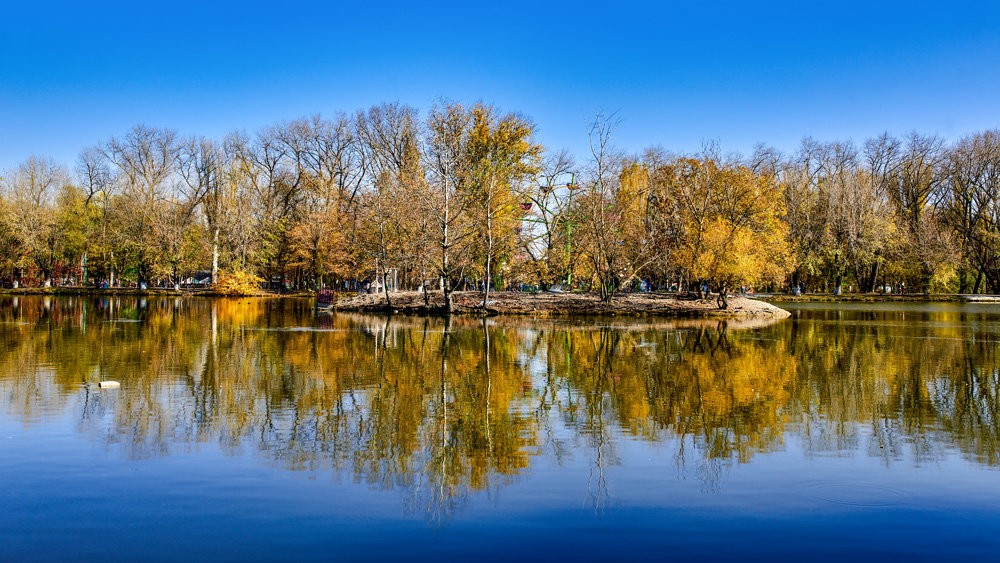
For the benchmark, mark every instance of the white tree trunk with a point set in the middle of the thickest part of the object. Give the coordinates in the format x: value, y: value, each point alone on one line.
x: 215, y: 255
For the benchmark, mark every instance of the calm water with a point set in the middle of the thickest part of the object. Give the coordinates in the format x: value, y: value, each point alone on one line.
x: 258, y: 430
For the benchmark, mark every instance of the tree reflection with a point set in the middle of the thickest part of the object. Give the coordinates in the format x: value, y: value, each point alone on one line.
x: 441, y: 409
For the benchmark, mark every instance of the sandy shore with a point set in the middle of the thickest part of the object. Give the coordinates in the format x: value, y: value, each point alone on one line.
x: 545, y: 304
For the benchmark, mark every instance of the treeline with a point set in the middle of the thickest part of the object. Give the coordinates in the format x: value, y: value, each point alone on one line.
x: 465, y: 197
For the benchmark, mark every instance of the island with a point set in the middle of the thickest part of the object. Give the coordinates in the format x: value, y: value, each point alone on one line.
x: 555, y: 304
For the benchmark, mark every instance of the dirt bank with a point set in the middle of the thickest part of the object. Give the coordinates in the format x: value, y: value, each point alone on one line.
x: 545, y: 304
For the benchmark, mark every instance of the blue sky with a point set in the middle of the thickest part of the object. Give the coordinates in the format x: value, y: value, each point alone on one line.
x: 72, y: 74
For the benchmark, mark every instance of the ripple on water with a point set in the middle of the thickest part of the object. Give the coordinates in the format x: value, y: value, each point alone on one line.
x: 867, y: 495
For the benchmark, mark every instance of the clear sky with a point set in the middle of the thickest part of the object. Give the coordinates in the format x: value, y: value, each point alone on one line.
x: 75, y: 73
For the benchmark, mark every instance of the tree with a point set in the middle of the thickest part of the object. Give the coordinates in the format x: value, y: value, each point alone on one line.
x: 501, y: 156
x: 731, y: 230
x: 916, y: 181
x: 860, y: 224
x: 386, y: 228
x: 445, y: 199
x: 98, y: 181
x: 806, y: 209
x: 968, y: 206
x: 147, y: 159
x: 613, y: 209
x: 201, y: 166
x: 239, y: 206
x: 322, y: 155
x: 31, y: 190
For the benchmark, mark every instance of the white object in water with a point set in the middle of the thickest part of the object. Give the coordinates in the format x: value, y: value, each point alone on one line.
x: 109, y: 385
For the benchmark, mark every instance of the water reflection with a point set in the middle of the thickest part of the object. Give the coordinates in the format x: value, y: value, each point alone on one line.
x: 439, y: 409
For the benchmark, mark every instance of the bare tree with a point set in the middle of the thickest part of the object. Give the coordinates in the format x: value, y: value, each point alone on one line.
x: 147, y: 159
x: 618, y: 243
x: 444, y: 200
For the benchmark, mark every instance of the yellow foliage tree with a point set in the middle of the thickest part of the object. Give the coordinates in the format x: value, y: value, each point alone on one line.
x: 501, y: 154
x: 731, y: 227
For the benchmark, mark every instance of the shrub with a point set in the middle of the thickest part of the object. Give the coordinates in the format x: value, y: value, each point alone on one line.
x: 237, y: 282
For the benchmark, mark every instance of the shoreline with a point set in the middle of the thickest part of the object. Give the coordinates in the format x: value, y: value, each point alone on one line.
x: 578, y: 303
x: 544, y: 304
x: 152, y: 292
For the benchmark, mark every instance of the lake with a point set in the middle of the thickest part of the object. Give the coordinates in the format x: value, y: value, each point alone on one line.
x: 258, y: 429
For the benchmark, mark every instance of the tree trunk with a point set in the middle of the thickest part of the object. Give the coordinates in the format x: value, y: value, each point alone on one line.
x: 925, y: 280
x: 873, y: 279
x: 963, y: 280
x: 486, y: 286
x: 449, y: 305
x: 385, y: 287
x: 215, y: 255
x: 489, y: 246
